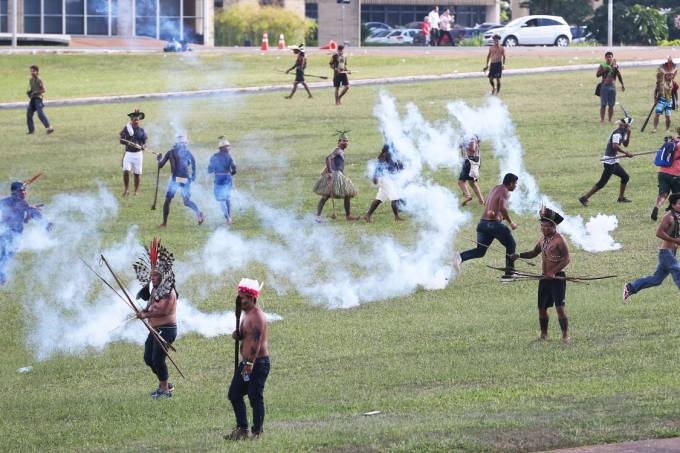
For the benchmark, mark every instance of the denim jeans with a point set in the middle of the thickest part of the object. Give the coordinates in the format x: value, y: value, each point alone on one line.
x: 487, y: 231
x: 668, y: 264
x: 254, y: 388
x: 36, y: 105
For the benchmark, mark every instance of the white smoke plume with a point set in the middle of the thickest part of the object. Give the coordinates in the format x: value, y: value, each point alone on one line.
x: 69, y: 309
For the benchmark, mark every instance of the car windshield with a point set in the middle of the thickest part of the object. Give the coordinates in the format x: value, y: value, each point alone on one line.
x: 381, y: 33
x: 394, y: 33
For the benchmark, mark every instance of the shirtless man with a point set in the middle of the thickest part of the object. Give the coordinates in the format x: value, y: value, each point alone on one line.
x: 469, y: 148
x: 669, y: 233
x: 490, y: 227
x: 160, y: 311
x: 552, y: 286
x: 253, y: 370
x: 609, y: 71
x: 495, y: 63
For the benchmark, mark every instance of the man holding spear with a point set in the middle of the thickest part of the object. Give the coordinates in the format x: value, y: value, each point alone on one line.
x: 155, y: 272
x: 552, y: 285
x: 251, y: 373
x: 299, y: 66
x: 619, y: 138
x: 134, y: 138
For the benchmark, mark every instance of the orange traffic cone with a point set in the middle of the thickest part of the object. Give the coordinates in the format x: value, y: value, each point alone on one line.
x: 265, y: 42
x: 332, y: 45
x: 282, y: 42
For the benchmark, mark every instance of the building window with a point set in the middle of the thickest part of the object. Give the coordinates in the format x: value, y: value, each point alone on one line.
x: 312, y: 10
x: 3, y: 16
x: 193, y: 21
x: 145, y: 20
x: 53, y: 18
x: 32, y: 14
x: 399, y: 15
x: 75, y: 17
x: 97, y: 17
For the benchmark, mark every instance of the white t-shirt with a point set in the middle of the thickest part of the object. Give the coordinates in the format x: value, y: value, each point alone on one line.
x: 434, y: 19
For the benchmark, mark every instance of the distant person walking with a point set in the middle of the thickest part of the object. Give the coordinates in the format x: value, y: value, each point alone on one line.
x: 609, y: 71
x: 224, y: 168
x: 299, y: 66
x: 425, y: 30
x: 666, y: 98
x: 434, y: 24
x: 36, y: 90
x: 495, y: 63
x: 445, y: 21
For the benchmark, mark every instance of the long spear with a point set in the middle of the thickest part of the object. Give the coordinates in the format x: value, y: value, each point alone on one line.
x: 153, y: 331
x: 305, y: 74
x: 623, y: 155
x: 138, y: 146
x: 557, y: 277
x: 489, y: 247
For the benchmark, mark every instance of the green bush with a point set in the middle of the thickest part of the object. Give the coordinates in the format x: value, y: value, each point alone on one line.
x: 673, y: 22
x: 240, y: 24
x: 477, y: 41
x: 674, y: 43
x: 635, y: 24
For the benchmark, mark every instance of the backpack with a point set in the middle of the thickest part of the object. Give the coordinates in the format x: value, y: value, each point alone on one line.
x: 664, y: 156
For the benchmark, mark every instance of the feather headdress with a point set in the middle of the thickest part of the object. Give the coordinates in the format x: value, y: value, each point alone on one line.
x: 157, y: 260
x: 250, y: 286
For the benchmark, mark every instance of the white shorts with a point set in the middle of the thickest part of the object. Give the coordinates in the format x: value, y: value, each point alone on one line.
x: 133, y: 162
x: 387, y: 190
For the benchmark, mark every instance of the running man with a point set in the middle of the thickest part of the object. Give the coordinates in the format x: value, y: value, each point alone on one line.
x: 491, y: 227
x: 620, y: 137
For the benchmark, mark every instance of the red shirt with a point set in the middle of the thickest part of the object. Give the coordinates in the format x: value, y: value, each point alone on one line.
x: 675, y: 168
x: 426, y: 29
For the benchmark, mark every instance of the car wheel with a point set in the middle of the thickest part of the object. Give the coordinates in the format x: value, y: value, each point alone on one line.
x: 510, y: 41
x: 562, y: 41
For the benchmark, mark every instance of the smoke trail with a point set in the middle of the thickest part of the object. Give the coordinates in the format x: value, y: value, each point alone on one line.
x: 69, y: 310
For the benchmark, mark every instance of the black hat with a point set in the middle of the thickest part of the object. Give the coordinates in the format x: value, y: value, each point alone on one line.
x: 16, y: 186
x: 672, y: 200
x: 136, y: 114
x: 550, y: 215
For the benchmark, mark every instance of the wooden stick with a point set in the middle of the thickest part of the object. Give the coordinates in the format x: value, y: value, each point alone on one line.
x: 33, y: 178
x: 237, y: 313
x: 139, y: 147
x: 155, y: 195
x: 530, y: 274
x: 621, y: 156
x: 489, y: 247
x: 131, y: 318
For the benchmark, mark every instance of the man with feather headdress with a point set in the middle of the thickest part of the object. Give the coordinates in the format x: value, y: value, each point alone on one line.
x: 154, y: 271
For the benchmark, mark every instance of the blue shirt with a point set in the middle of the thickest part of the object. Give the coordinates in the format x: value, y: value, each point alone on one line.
x: 180, y: 160
x: 15, y: 212
x: 222, y: 164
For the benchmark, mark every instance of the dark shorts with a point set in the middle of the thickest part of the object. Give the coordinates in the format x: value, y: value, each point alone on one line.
x: 495, y: 70
x: 340, y: 79
x: 608, y: 171
x: 465, y: 171
x: 299, y: 75
x: 552, y: 292
x: 608, y: 95
x: 668, y: 183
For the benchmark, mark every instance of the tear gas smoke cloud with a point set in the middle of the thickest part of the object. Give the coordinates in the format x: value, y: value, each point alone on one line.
x: 69, y: 309
x: 492, y: 123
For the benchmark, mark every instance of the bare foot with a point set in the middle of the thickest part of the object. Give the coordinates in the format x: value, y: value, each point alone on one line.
x: 229, y: 221
x: 125, y: 194
x: 334, y: 216
x: 318, y: 219
x: 543, y: 337
x: 398, y: 219
x: 467, y: 199
x: 287, y: 97
x: 200, y: 218
x: 136, y: 193
x: 367, y: 218
x: 351, y: 218
x: 566, y: 340
x: 162, y: 225
x: 309, y: 97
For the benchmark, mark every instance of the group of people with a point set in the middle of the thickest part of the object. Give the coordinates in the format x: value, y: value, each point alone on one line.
x: 437, y: 26
x: 182, y: 168
x: 338, y: 64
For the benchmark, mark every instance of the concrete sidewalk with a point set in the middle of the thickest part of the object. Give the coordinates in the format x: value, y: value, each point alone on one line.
x: 285, y: 88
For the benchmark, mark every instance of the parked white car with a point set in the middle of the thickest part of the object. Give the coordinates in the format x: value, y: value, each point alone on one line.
x: 401, y: 36
x: 533, y: 31
x: 378, y: 37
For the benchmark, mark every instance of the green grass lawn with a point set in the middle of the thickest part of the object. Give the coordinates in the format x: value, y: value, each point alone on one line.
x: 455, y: 369
x: 68, y: 76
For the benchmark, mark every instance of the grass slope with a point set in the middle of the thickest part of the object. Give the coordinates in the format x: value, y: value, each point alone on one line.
x: 455, y: 369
